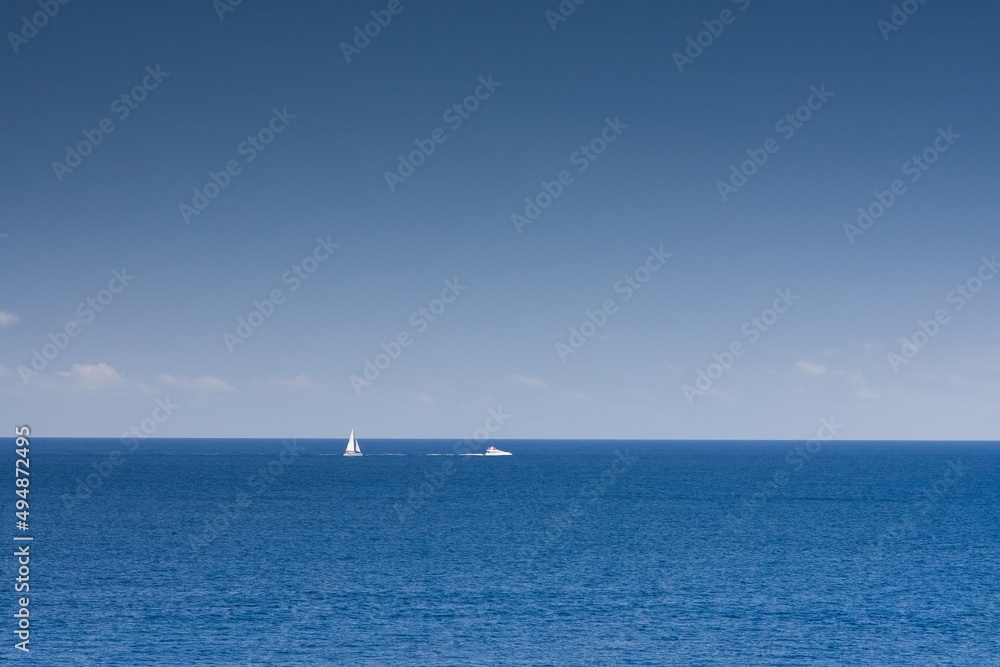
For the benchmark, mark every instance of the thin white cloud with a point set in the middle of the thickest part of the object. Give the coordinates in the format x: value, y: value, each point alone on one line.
x: 93, y: 376
x: 8, y: 318
x: 537, y: 384
x: 424, y: 398
x: 573, y: 395
x: 147, y: 389
x: 856, y: 378
x: 3, y: 371
x: 867, y: 393
x: 302, y: 381
x: 203, y: 383
x: 809, y: 368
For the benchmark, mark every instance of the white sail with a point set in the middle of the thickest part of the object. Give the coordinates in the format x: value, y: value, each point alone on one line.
x: 352, y: 446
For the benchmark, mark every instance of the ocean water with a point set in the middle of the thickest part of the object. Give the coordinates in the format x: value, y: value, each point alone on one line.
x: 567, y: 553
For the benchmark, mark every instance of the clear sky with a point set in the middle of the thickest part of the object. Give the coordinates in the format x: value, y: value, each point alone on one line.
x: 713, y: 172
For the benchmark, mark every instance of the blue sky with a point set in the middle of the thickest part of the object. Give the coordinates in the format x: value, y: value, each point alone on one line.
x: 641, y: 145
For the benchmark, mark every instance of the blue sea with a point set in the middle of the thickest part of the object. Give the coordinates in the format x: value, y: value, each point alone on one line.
x: 270, y: 552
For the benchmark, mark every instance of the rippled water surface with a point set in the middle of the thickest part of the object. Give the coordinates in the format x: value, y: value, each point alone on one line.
x: 567, y: 553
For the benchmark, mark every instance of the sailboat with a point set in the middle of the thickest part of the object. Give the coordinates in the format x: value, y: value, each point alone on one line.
x: 352, y: 446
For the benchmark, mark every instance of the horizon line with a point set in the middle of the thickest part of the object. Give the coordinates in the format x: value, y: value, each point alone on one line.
x: 337, y: 439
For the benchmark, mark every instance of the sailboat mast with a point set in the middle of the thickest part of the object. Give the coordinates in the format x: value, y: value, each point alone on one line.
x: 352, y: 446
